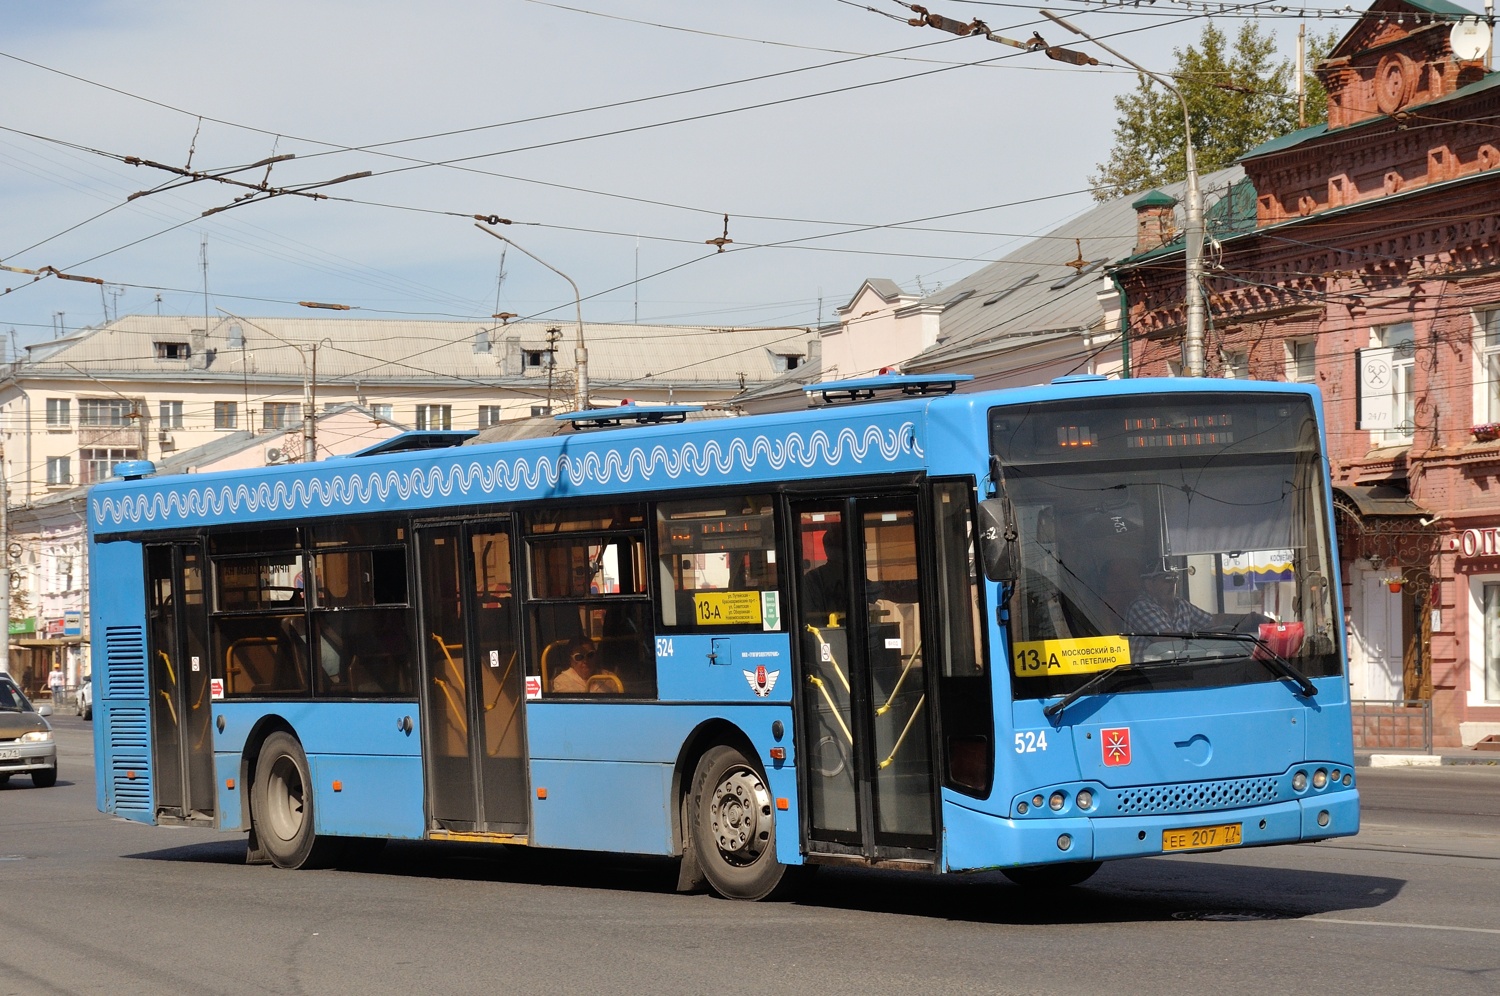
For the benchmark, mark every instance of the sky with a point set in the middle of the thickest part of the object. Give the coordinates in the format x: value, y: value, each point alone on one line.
x: 613, y: 136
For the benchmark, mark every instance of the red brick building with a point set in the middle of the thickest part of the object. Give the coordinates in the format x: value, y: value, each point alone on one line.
x: 1364, y: 255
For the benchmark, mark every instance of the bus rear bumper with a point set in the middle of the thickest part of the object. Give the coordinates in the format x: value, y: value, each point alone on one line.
x: 975, y: 841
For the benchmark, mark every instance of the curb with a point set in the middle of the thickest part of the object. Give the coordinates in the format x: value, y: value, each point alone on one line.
x: 1425, y: 760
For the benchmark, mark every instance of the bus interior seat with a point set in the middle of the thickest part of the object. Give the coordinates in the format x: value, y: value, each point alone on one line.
x: 554, y: 660
x: 606, y: 682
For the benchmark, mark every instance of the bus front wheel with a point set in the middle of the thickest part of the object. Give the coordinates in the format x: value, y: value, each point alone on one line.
x: 1059, y: 876
x: 282, y: 807
x: 734, y: 826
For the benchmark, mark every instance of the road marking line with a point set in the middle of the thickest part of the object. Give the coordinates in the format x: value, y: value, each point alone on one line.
x: 1406, y: 760
x: 1409, y: 926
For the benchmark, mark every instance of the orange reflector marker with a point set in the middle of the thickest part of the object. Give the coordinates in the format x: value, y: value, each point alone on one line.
x: 229, y: 784
x: 130, y: 775
x: 778, y: 753
x: 783, y: 804
x: 338, y: 786
x: 541, y: 793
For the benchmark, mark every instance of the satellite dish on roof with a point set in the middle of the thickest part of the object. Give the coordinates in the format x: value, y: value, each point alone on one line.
x: 1469, y: 39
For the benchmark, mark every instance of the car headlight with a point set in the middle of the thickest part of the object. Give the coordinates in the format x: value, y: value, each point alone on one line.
x: 36, y: 737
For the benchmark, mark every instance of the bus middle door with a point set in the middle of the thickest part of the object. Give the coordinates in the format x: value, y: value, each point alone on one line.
x: 473, y: 680
x: 865, y: 745
x: 182, y: 745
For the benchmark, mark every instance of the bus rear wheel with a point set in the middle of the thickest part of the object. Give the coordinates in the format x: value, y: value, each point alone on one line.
x: 734, y: 826
x: 1059, y: 876
x: 282, y: 807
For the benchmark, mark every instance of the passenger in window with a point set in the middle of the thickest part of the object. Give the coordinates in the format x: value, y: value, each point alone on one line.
x: 582, y: 673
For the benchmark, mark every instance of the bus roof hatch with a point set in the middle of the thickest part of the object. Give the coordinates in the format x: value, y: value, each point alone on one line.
x: 599, y: 418
x: 868, y: 388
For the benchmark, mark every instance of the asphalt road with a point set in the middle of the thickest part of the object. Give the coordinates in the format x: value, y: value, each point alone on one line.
x: 96, y: 905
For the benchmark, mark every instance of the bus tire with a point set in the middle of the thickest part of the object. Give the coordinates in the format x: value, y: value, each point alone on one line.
x: 734, y: 826
x: 281, y: 807
x: 1060, y: 876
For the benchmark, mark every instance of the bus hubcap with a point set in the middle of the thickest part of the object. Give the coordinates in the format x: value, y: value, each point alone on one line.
x: 741, y: 816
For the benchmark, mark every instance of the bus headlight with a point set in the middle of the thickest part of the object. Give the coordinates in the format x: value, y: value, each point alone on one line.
x: 1084, y: 798
x: 1320, y: 778
x: 1057, y: 801
x: 1299, y: 781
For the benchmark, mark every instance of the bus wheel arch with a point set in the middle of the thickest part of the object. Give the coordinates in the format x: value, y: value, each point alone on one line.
x: 706, y: 736
x: 283, y: 806
x: 732, y: 825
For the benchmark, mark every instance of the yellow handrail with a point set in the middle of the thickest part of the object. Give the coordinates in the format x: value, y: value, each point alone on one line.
x: 904, y: 731
x: 820, y: 686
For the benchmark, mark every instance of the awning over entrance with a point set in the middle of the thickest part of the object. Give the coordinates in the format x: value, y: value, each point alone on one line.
x: 1380, y: 499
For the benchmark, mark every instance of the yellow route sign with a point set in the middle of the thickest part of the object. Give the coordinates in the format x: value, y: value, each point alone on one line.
x: 727, y: 608
x: 1079, y: 656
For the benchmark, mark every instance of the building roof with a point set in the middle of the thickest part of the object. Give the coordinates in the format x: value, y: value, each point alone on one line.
x: 1034, y: 291
x: 353, y: 351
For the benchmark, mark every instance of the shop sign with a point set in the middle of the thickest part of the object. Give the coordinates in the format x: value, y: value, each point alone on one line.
x: 54, y: 628
x: 1475, y: 542
x: 20, y: 627
x: 72, y: 624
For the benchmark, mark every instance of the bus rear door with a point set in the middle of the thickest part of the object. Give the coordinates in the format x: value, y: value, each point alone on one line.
x: 865, y: 741
x: 182, y: 747
x: 473, y: 680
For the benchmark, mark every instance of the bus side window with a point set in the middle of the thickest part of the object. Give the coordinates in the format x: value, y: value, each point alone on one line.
x: 717, y: 563
x: 588, y: 587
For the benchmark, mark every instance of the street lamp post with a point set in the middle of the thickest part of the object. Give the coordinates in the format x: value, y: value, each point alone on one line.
x: 580, y: 351
x: 1197, y: 311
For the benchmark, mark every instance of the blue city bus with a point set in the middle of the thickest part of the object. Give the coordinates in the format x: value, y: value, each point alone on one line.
x: 908, y: 627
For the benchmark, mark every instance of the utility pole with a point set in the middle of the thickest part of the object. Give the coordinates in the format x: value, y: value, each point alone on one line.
x: 1192, y: 343
x: 5, y: 564
x: 580, y: 351
x: 553, y: 335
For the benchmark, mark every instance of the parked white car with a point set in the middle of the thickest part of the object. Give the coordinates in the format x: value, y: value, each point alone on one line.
x: 85, y: 697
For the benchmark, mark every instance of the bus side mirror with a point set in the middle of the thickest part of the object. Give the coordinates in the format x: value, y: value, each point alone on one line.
x: 997, y: 540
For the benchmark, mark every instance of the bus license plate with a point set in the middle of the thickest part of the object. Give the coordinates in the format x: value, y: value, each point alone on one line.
x: 1196, y: 838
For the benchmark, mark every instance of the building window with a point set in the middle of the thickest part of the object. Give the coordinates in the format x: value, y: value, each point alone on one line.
x: 226, y: 414
x: 1492, y: 642
x: 537, y: 358
x: 97, y: 465
x: 1387, y: 398
x: 387, y: 412
x: 1301, y: 360
x: 1487, y: 347
x: 172, y: 351
x: 489, y: 415
x: 1236, y: 364
x: 59, y: 413
x: 281, y: 414
x: 105, y: 411
x: 169, y: 415
x: 59, y: 470
x: 434, y: 416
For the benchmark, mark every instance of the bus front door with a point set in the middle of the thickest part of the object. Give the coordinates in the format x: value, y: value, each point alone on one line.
x: 473, y: 680
x: 864, y: 737
x: 182, y: 747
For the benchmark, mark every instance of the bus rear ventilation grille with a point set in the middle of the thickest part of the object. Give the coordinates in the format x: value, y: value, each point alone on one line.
x: 1194, y: 797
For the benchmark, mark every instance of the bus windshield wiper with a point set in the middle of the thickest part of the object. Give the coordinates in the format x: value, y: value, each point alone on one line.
x: 1089, y: 687
x: 1276, y: 663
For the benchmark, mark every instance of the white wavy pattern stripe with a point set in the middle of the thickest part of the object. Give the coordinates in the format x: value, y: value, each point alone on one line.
x: 658, y: 463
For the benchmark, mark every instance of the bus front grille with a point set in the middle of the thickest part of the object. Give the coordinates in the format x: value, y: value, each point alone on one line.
x: 1195, y: 797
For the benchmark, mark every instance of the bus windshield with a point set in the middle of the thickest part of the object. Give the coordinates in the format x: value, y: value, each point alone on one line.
x: 1162, y: 528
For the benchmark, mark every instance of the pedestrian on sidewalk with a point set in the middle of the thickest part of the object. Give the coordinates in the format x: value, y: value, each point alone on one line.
x: 57, y: 680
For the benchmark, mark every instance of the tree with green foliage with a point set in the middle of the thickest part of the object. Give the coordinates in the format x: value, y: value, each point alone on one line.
x: 1237, y: 98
